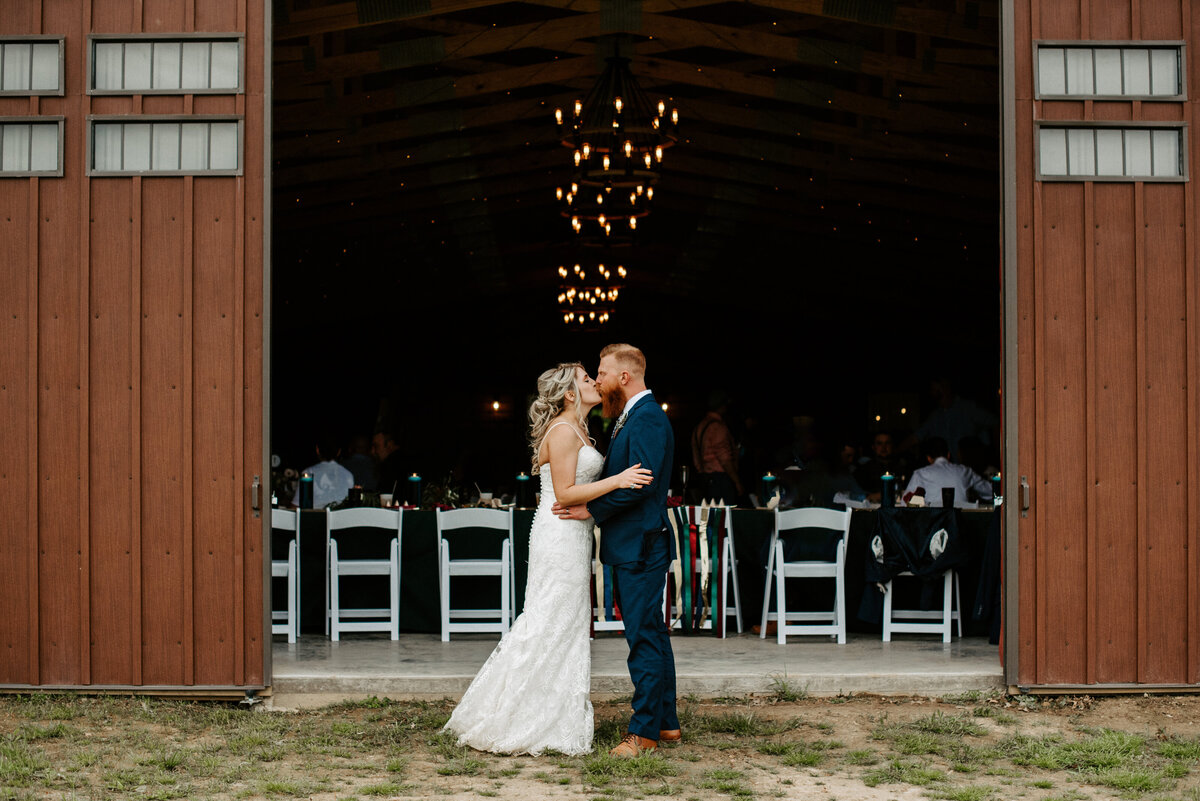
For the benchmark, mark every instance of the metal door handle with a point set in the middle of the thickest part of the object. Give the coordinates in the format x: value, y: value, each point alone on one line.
x: 1024, y: 496
x: 255, y: 488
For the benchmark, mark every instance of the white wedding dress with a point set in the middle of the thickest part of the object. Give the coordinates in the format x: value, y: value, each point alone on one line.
x: 533, y: 693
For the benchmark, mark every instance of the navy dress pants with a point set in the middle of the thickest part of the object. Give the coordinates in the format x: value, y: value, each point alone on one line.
x: 640, y: 587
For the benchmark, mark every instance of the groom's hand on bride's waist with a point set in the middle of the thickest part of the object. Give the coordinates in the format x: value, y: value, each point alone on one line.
x: 579, y: 512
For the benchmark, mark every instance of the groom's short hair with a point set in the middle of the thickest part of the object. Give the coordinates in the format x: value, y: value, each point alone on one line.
x: 630, y: 358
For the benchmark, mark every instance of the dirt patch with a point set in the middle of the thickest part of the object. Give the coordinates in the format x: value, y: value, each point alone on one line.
x: 970, y: 748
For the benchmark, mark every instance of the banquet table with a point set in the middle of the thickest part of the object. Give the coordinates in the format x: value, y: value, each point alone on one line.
x: 752, y: 530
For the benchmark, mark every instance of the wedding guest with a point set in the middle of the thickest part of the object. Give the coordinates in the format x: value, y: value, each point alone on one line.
x: 715, y: 455
x: 357, y: 460
x: 331, y: 481
x: 389, y: 472
x: 941, y: 473
x: 883, y: 459
x: 953, y: 418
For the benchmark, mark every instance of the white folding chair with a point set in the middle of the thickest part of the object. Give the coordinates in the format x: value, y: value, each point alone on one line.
x: 287, y: 568
x: 500, y: 523
x: 906, y: 621
x: 779, y: 570
x: 385, y: 562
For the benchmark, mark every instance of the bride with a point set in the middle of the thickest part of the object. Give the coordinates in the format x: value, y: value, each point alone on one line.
x: 532, y: 693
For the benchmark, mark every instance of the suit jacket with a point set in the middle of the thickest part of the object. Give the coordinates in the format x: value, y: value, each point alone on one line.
x: 629, y: 519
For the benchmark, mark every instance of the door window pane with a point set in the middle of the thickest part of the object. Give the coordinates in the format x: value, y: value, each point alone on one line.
x: 1079, y: 71
x: 166, y: 65
x: 1110, y: 153
x: 1053, y: 151
x: 1166, y: 153
x: 44, y: 148
x: 166, y: 146
x: 193, y: 152
x: 1081, y: 152
x: 223, y: 146
x: 45, y: 68
x: 1052, y: 71
x: 1108, y: 71
x: 1164, y: 72
x: 106, y: 147
x: 224, y: 65
x: 1137, y: 71
x: 1137, y: 153
x: 108, y: 65
x: 136, y: 150
x: 14, y: 148
x: 16, y: 67
x: 195, y: 65
x: 137, y: 65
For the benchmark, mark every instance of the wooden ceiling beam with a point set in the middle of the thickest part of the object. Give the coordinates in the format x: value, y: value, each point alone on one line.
x: 978, y: 27
x: 670, y: 33
x: 437, y: 90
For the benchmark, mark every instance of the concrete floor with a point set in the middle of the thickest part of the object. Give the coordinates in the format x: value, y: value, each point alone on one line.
x: 316, y: 671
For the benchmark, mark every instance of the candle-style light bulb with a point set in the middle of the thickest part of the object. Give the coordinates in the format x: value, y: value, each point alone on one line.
x: 650, y: 193
x: 558, y: 192
x: 558, y: 115
x: 606, y: 161
x: 578, y: 107
x: 647, y: 160
x: 578, y: 157
x: 618, y: 104
x: 662, y: 107
x: 632, y: 222
x: 587, y: 150
x: 628, y: 148
x: 675, y: 116
x: 658, y: 153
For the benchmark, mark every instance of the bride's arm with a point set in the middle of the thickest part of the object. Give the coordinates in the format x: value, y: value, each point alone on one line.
x: 563, y: 446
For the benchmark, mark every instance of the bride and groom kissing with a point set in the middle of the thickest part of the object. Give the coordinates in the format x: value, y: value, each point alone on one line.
x: 533, y: 693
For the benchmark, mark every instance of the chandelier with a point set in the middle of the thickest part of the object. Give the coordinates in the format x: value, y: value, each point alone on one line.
x: 587, y: 294
x: 617, y: 138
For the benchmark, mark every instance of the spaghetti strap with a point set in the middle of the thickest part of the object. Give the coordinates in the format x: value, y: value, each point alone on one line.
x: 573, y: 428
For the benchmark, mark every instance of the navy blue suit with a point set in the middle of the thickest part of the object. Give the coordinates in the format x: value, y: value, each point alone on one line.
x: 634, y: 541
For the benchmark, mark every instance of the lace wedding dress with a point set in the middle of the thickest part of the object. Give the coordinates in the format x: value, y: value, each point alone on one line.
x: 532, y: 694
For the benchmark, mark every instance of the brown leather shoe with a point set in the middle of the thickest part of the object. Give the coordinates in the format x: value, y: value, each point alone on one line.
x: 631, y: 745
x: 670, y: 736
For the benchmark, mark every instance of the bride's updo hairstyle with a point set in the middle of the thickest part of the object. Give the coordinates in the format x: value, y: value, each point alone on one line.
x: 553, y: 386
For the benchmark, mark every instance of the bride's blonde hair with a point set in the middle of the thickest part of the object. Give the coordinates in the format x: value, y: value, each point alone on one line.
x: 553, y: 386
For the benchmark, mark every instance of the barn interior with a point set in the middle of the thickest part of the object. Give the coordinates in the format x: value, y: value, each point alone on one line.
x: 823, y: 237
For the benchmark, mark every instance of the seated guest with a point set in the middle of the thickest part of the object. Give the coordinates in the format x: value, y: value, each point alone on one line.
x: 389, y: 473
x: 942, y: 473
x: 883, y: 459
x: 359, y: 462
x: 331, y: 481
x: 844, y: 476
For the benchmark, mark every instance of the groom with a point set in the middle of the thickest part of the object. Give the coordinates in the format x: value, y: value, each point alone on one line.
x: 635, y: 542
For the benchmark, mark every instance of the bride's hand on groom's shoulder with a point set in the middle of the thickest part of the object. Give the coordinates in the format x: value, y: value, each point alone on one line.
x: 579, y: 512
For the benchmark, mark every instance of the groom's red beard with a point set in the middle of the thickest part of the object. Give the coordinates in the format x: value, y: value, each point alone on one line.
x: 612, y: 404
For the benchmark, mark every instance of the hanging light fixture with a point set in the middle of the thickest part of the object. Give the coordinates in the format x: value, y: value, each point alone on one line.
x: 617, y: 139
x: 588, y: 291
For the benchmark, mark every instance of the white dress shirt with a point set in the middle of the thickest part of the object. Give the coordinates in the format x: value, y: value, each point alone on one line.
x: 629, y: 403
x: 944, y: 473
x: 331, y: 484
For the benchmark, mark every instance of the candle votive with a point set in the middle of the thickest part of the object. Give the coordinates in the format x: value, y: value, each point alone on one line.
x: 887, y: 495
x: 306, y: 492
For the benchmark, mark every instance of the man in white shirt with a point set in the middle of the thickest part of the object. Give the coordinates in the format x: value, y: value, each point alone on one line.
x: 331, y: 481
x: 943, y: 473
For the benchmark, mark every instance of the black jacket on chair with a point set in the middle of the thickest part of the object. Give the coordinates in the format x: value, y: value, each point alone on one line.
x: 924, y: 542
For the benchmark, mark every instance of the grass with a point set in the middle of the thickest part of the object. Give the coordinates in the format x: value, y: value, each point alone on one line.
x: 967, y: 748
